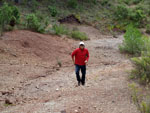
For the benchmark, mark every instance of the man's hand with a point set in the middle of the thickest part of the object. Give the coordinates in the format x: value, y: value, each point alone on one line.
x: 73, y: 63
x: 86, y: 61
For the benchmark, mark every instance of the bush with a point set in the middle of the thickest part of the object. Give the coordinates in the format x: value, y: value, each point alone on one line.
x: 8, y: 15
x: 142, y: 64
x: 121, y: 12
x: 130, y: 2
x: 141, y: 101
x: 60, y: 30
x: 34, y: 24
x: 53, y: 11
x: 142, y: 70
x: 137, y: 16
x: 72, y: 4
x: 148, y: 29
x: 133, y: 42
x: 34, y: 5
x: 129, y: 15
x: 79, y: 35
x: 104, y: 2
x: 136, y: 1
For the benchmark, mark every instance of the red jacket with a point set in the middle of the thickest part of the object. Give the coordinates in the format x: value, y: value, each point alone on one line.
x: 80, y: 56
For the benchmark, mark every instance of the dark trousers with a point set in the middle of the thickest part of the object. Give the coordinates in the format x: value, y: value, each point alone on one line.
x: 83, y: 71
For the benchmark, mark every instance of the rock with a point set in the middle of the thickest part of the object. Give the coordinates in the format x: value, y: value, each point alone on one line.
x: 57, y: 89
x: 79, y: 107
x: 76, y: 111
x: 6, y: 93
x: 7, y: 101
x: 63, y: 111
x: 113, y: 101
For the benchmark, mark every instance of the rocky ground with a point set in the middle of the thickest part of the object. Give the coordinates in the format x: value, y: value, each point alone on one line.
x: 37, y: 75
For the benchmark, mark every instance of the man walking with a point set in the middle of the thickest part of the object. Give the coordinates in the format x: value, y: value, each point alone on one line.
x: 80, y: 57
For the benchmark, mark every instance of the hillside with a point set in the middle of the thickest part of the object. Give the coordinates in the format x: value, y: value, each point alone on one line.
x: 36, y: 70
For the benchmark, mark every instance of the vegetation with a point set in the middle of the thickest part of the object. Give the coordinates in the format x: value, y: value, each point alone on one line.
x: 60, y: 30
x: 79, y: 35
x: 72, y: 3
x: 53, y: 11
x: 142, y: 67
x: 9, y: 15
x: 143, y: 104
x: 34, y: 23
x: 134, y: 42
x: 105, y: 13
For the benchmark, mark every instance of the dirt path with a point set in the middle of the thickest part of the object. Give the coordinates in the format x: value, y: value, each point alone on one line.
x: 106, y: 89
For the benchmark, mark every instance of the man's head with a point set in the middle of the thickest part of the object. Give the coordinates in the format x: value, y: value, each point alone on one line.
x: 81, y: 45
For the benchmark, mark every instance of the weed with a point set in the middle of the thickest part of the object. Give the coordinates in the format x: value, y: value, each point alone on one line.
x: 133, y: 42
x: 79, y: 35
x: 9, y: 15
x: 53, y: 11
x: 60, y: 30
x: 72, y: 4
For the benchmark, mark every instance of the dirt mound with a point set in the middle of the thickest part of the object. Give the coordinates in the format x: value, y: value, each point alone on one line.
x: 70, y: 19
x: 30, y: 44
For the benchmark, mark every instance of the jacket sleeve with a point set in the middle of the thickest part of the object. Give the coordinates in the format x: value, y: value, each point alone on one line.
x: 73, y: 53
x: 87, y: 56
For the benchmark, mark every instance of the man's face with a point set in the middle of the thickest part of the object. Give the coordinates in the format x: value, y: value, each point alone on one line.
x: 81, y: 46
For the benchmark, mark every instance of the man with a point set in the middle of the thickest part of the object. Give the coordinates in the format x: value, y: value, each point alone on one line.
x: 80, y: 57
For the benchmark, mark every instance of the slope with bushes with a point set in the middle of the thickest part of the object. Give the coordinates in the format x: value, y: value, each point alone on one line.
x: 104, y: 15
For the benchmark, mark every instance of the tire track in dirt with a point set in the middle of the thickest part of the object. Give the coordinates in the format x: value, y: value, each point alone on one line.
x: 106, y: 89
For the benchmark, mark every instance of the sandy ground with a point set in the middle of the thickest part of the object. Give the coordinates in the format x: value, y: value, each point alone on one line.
x: 33, y: 82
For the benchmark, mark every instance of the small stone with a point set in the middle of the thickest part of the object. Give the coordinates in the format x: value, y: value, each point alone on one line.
x: 94, y: 106
x: 7, y: 101
x: 113, y: 101
x: 76, y: 111
x: 59, y: 95
x: 63, y: 111
x: 57, y: 89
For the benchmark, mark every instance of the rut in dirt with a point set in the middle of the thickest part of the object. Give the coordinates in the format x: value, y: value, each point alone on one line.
x: 106, y: 89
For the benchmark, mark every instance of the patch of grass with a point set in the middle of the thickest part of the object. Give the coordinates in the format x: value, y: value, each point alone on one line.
x: 142, y: 66
x: 79, y: 35
x: 60, y: 30
x: 53, y: 11
x: 72, y: 4
x: 134, y: 42
x: 142, y: 102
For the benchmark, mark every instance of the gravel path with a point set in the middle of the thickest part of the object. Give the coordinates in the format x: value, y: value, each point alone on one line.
x: 106, y: 89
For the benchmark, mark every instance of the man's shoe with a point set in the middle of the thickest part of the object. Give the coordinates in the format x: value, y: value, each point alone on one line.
x: 78, y: 83
x: 83, y: 83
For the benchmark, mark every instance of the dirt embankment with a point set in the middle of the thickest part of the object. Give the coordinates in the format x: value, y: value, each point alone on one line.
x: 25, y: 55
x: 33, y: 82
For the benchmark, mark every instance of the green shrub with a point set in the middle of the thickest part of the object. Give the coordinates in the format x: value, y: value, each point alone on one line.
x: 141, y: 101
x: 60, y: 30
x: 104, y: 2
x: 148, y: 29
x: 137, y: 16
x: 34, y: 24
x: 79, y: 35
x: 34, y: 5
x: 121, y: 12
x: 136, y: 1
x: 133, y: 42
x: 72, y: 4
x: 8, y: 15
x: 129, y: 15
x: 53, y: 11
x: 130, y: 2
x: 142, y: 64
x: 142, y: 68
